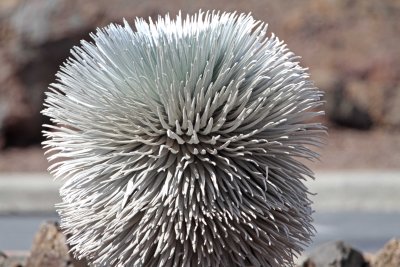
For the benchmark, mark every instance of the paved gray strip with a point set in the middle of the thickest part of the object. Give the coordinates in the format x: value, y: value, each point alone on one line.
x: 360, y: 207
x: 337, y: 191
x: 362, y: 191
x: 28, y: 193
x: 365, y: 231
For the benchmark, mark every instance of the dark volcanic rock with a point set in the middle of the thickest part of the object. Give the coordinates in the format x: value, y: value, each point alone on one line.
x: 335, y: 254
x: 36, y: 37
x: 344, y: 111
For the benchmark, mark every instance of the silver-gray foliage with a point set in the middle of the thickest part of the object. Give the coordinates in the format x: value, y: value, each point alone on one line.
x: 180, y: 144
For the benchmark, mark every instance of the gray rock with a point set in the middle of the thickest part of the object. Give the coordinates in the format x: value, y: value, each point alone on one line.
x: 49, y: 249
x: 12, y: 259
x: 335, y: 254
x: 3, y: 258
x: 389, y: 256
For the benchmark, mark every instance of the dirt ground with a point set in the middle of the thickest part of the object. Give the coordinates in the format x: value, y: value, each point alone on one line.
x: 347, y: 149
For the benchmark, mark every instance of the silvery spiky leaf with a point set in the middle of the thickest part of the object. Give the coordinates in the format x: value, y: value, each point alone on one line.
x: 180, y: 142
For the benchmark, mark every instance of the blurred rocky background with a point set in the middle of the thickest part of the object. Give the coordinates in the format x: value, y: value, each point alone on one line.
x: 350, y: 46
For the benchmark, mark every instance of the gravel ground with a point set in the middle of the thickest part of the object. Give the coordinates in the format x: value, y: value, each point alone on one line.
x: 347, y: 149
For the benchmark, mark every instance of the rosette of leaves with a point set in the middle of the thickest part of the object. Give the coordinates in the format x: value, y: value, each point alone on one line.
x: 181, y: 144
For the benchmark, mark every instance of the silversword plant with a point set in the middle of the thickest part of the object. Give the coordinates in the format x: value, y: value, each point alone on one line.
x: 181, y: 144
